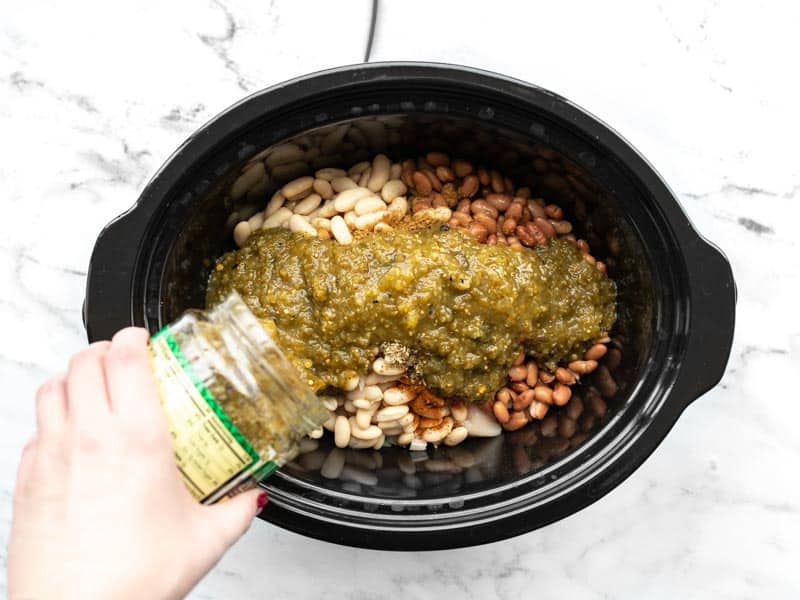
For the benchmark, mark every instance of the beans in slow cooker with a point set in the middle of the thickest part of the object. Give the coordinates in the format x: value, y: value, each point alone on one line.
x: 377, y: 195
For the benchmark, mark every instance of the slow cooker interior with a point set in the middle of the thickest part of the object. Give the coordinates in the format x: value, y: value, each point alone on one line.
x: 600, y: 198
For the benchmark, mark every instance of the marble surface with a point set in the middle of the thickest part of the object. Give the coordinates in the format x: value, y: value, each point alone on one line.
x: 95, y: 95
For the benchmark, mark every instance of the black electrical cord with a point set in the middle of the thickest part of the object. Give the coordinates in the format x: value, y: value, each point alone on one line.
x: 371, y: 35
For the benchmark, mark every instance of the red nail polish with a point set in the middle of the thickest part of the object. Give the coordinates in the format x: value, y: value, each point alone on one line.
x: 261, y: 502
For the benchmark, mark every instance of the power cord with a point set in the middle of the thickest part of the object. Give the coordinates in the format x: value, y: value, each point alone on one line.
x: 373, y: 22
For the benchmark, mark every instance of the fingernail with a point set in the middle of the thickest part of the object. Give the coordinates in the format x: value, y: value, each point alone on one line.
x: 261, y: 501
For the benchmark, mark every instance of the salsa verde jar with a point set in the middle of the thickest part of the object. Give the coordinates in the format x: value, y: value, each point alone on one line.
x: 235, y: 407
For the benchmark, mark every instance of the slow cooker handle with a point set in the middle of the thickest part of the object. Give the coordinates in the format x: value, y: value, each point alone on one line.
x: 713, y: 314
x: 109, y: 281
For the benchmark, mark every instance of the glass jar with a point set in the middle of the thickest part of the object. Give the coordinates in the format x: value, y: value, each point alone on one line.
x: 236, y: 408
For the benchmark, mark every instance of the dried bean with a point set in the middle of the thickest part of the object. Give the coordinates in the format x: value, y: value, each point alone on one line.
x: 489, y: 223
x: 537, y: 410
x: 497, y: 183
x: 566, y: 376
x: 500, y: 202
x: 561, y: 394
x: 462, y: 168
x: 517, y: 373
x: 422, y: 184
x: 445, y: 174
x: 554, y: 212
x: 596, y: 352
x: 561, y: 227
x: 518, y: 420
x: 500, y: 412
x: 582, y: 367
x: 437, y: 159
x: 532, y: 375
x: 469, y: 186
x: 524, y: 400
x: 543, y: 394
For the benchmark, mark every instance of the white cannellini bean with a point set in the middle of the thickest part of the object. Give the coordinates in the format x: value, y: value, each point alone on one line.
x: 455, y: 437
x: 241, y: 233
x: 315, y: 434
x: 300, y: 224
x: 327, y: 210
x: 341, y: 184
x: 274, y: 204
x: 393, y: 189
x: 308, y: 204
x: 396, y: 171
x: 351, y: 383
x: 362, y: 403
x: 330, y: 423
x: 389, y: 431
x: 330, y: 173
x: 363, y: 418
x: 349, y: 406
x: 347, y: 199
x: 297, y: 186
x: 321, y: 223
x: 373, y: 393
x: 278, y: 218
x: 357, y: 444
x: 256, y: 221
x: 381, y: 367
x: 358, y: 168
x: 404, y: 439
x: 399, y: 206
x: 365, y: 222
x: 341, y: 432
x: 329, y: 402
x: 381, y: 227
x: 391, y: 413
x: 364, y: 179
x: 376, y: 379
x: 395, y: 396
x: 479, y: 424
x: 350, y: 219
x: 323, y: 188
x: 340, y: 230
x: 381, y: 168
x: 368, y: 433
x: 459, y: 411
x: 368, y: 205
x: 406, y: 420
x: 379, y: 443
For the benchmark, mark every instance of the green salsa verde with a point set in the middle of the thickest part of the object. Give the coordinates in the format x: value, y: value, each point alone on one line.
x: 464, y: 309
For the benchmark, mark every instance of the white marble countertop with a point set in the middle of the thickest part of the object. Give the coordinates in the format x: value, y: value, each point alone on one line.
x: 95, y: 95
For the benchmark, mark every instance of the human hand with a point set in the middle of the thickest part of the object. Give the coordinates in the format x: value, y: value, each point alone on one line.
x: 100, y: 510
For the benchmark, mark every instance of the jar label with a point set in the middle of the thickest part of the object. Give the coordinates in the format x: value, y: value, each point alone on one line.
x: 210, y: 451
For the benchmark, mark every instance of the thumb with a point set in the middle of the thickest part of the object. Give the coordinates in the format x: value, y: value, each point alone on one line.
x: 231, y: 518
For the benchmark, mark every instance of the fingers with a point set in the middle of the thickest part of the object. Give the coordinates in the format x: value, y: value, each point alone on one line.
x: 24, y: 471
x: 87, y: 397
x: 230, y: 519
x: 51, y: 406
x: 130, y: 380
